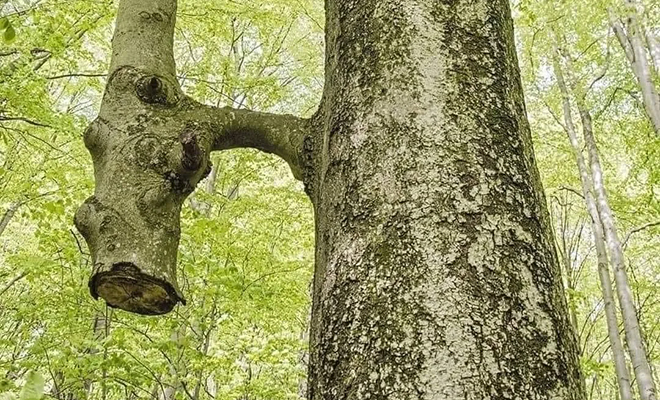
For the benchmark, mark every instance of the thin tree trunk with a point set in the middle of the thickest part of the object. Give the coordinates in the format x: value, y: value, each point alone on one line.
x: 634, y: 338
x: 173, y: 381
x: 637, y: 7
x: 654, y: 48
x: 8, y: 215
x: 630, y: 322
x: 632, y: 42
x: 101, y: 330
x: 566, y: 250
x: 618, y: 355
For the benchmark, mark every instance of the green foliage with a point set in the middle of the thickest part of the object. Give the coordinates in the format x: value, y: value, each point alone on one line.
x: 8, y: 30
x: 246, y: 255
x: 33, y: 388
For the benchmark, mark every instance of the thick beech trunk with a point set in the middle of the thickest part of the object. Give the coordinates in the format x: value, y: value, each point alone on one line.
x: 436, y: 276
x: 621, y: 369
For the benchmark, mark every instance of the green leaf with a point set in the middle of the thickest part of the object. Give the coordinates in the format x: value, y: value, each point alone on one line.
x: 9, y: 35
x: 4, y: 23
x: 7, y: 396
x: 34, y: 387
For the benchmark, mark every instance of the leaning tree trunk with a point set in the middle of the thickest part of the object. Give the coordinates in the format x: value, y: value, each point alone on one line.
x: 631, y: 39
x: 618, y: 355
x: 636, y: 347
x: 436, y: 275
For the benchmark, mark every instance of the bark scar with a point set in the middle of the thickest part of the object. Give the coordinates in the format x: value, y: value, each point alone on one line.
x: 193, y: 155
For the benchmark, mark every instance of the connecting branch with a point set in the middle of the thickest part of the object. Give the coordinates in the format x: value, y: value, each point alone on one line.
x: 282, y: 135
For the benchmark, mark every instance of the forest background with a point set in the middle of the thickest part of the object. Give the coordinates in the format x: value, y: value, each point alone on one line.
x: 246, y: 256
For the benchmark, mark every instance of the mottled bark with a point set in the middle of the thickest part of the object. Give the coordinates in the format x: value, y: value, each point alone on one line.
x: 436, y: 276
x: 150, y: 145
x: 618, y: 355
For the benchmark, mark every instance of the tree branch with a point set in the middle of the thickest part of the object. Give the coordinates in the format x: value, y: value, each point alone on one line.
x: 279, y: 134
x: 12, y: 282
x: 8, y: 215
x: 639, y: 229
x: 26, y: 120
x: 76, y: 75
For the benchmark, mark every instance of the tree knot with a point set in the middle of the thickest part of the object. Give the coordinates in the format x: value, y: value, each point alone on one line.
x: 154, y: 90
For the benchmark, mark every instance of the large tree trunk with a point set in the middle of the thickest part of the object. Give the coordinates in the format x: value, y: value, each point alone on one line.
x: 436, y: 275
x: 620, y: 367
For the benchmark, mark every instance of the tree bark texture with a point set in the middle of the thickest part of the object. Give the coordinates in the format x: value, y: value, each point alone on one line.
x: 436, y: 275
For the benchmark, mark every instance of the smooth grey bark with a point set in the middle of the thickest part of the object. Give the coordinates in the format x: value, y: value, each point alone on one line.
x: 436, y: 275
x: 631, y: 39
x: 632, y: 330
x: 654, y: 48
x: 618, y: 355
